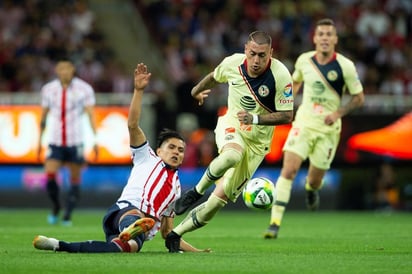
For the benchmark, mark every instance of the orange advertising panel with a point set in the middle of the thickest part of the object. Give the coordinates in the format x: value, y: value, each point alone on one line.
x: 20, y: 132
x: 279, y: 139
x: 393, y: 140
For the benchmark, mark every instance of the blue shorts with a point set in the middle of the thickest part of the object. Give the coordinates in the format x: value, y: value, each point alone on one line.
x: 111, y: 220
x: 73, y: 154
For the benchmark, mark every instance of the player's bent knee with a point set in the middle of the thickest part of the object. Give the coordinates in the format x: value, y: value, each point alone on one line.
x: 227, y: 159
x: 232, y: 156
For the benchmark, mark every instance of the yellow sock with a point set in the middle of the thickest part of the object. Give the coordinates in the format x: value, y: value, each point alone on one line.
x: 308, y: 187
x: 283, y: 190
x: 200, y: 215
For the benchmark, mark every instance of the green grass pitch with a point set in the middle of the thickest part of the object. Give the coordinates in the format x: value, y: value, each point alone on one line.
x: 309, y: 242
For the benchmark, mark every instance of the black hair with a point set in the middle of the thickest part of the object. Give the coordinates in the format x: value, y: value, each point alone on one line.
x: 325, y: 22
x: 260, y: 38
x: 165, y: 135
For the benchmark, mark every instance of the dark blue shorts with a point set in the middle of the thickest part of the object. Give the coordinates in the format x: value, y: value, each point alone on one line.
x: 111, y: 220
x: 73, y: 154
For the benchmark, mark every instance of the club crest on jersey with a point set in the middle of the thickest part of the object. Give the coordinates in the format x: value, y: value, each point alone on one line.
x: 288, y: 90
x: 332, y: 75
x: 263, y: 90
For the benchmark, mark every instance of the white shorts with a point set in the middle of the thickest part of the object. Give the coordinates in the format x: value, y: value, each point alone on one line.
x: 319, y: 147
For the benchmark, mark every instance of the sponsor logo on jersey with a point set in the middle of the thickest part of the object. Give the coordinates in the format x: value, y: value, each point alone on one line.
x: 288, y: 90
x: 247, y: 103
x: 318, y: 87
x: 285, y: 101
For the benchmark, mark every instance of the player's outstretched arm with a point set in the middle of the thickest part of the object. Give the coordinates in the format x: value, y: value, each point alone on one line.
x: 202, y: 89
x: 141, y: 80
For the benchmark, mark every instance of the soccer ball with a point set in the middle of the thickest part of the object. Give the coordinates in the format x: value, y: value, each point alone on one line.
x: 259, y: 193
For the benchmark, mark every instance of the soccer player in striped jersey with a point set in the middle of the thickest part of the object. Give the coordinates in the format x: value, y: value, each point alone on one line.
x: 145, y: 205
x: 326, y: 75
x: 259, y: 98
x: 64, y: 100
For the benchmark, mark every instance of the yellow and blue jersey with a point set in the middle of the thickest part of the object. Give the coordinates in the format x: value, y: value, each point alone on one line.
x: 267, y: 93
x: 323, y: 88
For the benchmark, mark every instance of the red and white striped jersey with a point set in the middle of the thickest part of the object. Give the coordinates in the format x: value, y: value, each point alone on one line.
x: 65, y: 110
x: 152, y: 187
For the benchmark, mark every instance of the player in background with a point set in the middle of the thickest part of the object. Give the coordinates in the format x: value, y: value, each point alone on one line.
x: 64, y: 100
x: 315, y: 132
x: 145, y: 205
x: 259, y: 97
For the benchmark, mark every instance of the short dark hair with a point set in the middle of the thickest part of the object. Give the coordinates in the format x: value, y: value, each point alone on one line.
x: 166, y: 134
x: 325, y: 22
x: 260, y: 37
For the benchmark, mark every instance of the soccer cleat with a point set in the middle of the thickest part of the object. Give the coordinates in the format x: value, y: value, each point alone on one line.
x: 271, y: 232
x: 52, y: 219
x: 188, y: 199
x: 138, y: 227
x: 172, y: 242
x: 312, y: 200
x: 45, y: 243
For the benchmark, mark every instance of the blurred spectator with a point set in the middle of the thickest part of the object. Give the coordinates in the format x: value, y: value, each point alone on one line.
x: 34, y: 34
x: 385, y: 194
x: 209, y: 30
x: 200, y: 142
x: 201, y: 32
x: 392, y: 84
x: 186, y: 124
x: 372, y: 20
x: 82, y: 19
x: 121, y: 81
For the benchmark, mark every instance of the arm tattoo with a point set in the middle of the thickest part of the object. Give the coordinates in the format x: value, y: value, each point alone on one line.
x: 276, y: 118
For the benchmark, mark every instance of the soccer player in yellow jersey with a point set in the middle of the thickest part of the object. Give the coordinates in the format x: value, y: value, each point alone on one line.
x: 259, y: 97
x: 315, y: 131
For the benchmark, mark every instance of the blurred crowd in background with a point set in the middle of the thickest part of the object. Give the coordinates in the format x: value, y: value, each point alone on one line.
x: 196, y: 35
x: 35, y: 34
x: 193, y: 37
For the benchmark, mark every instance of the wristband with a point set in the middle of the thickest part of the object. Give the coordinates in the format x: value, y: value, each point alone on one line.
x: 255, y: 119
